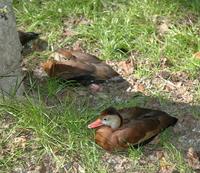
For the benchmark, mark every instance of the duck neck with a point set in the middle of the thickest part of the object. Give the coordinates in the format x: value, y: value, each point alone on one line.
x: 117, y: 122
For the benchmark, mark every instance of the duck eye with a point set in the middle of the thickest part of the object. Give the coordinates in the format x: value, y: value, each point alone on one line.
x: 104, y: 119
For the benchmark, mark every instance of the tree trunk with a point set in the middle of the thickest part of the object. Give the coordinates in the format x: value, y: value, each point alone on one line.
x: 10, y: 52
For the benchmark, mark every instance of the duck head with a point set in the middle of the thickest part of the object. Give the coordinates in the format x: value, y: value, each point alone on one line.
x: 109, y: 117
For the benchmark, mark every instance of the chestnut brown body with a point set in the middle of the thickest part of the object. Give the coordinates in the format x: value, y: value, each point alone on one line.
x: 78, y: 65
x: 138, y: 125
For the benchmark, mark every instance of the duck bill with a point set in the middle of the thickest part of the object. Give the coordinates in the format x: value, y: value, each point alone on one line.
x: 95, y: 124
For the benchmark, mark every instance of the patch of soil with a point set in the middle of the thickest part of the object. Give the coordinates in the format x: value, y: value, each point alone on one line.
x: 187, y: 132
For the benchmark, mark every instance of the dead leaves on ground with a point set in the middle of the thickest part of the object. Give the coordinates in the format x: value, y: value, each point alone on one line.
x: 162, y: 25
x: 179, y: 85
x: 197, y: 55
x: 193, y: 158
x: 127, y: 67
x: 166, y: 166
x: 68, y: 32
x: 95, y: 88
x: 188, y: 132
x: 69, y: 25
x: 161, y: 160
x: 20, y: 141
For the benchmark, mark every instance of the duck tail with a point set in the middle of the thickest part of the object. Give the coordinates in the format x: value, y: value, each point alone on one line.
x: 167, y: 120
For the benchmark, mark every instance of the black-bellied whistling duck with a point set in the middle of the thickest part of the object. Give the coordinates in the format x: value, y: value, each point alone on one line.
x: 117, y: 129
x: 76, y: 65
x: 26, y: 37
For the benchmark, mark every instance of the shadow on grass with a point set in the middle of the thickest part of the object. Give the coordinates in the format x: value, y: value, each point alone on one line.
x: 193, y: 5
x: 53, y: 92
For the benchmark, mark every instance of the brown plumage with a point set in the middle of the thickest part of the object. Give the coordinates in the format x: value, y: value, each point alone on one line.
x: 117, y: 129
x: 78, y: 66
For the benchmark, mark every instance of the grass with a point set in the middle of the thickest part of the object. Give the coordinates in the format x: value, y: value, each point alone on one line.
x: 61, y: 132
x: 56, y: 130
x: 128, y: 27
x: 174, y: 156
x: 114, y: 29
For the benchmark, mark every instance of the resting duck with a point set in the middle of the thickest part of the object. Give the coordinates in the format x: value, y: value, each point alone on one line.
x: 117, y: 129
x: 79, y: 66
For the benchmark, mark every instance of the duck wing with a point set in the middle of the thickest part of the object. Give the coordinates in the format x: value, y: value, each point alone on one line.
x: 67, y: 70
x: 86, y: 57
x: 79, y: 56
x: 78, y: 66
x: 130, y: 113
x: 136, y: 133
x: 141, y: 130
x: 165, y: 119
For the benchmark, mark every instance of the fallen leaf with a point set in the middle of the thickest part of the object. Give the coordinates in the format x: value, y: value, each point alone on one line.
x: 159, y: 154
x: 73, y: 21
x: 77, y: 45
x: 140, y: 87
x: 189, y: 19
x: 197, y: 55
x: 47, y: 163
x: 165, y: 166
x: 163, y: 28
x: 20, y: 141
x: 164, y: 74
x: 162, y: 25
x: 24, y: 69
x: 179, y: 76
x: 168, y: 87
x: 42, y: 168
x: 116, y: 163
x: 127, y: 67
x: 78, y: 168
x: 95, y: 88
x: 68, y: 32
x: 165, y: 62
x: 193, y: 158
x: 39, y: 73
